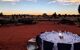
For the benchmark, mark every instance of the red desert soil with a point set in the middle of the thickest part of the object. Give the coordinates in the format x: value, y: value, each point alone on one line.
x: 16, y: 37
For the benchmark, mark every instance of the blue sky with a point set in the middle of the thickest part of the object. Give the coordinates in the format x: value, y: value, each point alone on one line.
x: 37, y: 7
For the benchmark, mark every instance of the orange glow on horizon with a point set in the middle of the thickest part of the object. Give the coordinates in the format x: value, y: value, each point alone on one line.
x: 37, y: 12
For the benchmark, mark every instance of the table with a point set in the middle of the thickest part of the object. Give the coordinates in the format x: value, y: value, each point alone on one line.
x: 53, y: 36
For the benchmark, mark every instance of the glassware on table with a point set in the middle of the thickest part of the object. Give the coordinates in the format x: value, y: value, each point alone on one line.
x: 60, y: 35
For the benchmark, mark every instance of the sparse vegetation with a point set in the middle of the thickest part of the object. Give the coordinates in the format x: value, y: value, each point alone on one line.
x: 66, y: 21
x: 78, y: 22
x: 33, y: 19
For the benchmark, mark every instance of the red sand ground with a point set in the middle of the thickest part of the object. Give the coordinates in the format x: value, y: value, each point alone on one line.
x: 16, y: 37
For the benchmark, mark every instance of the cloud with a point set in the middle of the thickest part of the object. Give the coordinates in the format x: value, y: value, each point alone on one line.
x: 32, y: 0
x: 19, y: 0
x: 10, y: 0
x: 65, y: 2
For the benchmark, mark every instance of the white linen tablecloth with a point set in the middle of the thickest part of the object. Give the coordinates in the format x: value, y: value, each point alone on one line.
x: 53, y: 37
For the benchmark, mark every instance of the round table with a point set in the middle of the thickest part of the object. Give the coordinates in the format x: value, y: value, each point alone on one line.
x: 54, y: 37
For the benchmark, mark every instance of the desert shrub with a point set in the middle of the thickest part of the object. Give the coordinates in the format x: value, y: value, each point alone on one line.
x: 66, y: 21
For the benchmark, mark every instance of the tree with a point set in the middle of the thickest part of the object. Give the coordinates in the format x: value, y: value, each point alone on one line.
x: 1, y: 14
x: 79, y: 9
x: 54, y: 15
x: 45, y: 15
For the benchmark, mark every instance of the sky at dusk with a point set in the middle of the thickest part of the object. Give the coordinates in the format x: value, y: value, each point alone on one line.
x: 37, y: 7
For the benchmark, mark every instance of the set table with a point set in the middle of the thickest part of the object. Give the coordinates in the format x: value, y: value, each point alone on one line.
x: 60, y: 37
